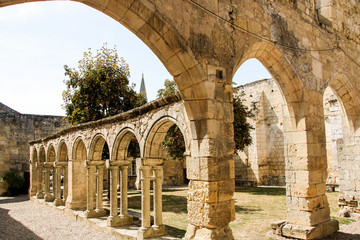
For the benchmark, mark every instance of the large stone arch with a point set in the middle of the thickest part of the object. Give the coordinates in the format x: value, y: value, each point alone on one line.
x: 280, y: 69
x: 349, y: 96
x: 42, y: 154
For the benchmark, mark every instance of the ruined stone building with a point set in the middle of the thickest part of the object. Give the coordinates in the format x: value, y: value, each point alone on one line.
x: 16, y: 130
x: 306, y: 45
x: 263, y: 162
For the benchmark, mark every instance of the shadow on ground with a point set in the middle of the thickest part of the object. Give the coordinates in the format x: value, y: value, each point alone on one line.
x: 261, y: 191
x: 10, y: 229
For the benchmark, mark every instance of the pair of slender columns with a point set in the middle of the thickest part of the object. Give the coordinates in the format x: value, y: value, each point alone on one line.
x: 158, y: 229
x: 60, y: 198
x: 49, y: 195
x: 95, y: 175
x: 123, y: 218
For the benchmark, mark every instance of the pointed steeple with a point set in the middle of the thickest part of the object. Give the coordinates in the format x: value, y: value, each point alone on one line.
x: 142, y: 87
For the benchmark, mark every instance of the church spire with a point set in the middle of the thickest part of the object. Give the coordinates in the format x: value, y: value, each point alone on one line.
x: 142, y: 87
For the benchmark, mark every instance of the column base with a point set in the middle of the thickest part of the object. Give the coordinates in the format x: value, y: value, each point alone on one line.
x: 59, y: 202
x: 118, y: 221
x: 198, y: 233
x: 94, y: 213
x: 154, y: 231
x: 285, y: 229
x: 40, y: 195
x: 49, y: 198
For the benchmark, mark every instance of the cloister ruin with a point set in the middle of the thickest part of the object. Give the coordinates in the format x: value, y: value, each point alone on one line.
x: 306, y: 45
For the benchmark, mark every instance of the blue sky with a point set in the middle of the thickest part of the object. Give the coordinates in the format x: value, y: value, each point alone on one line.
x: 38, y: 39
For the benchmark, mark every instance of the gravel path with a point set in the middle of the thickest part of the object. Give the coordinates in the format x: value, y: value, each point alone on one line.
x: 21, y: 218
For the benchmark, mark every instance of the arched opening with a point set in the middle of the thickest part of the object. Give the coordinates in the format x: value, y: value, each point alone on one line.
x: 61, y: 175
x: 341, y: 107
x: 267, y: 91
x: 96, y: 177
x: 49, y: 174
x: 40, y: 173
x: 77, y: 187
x: 262, y: 162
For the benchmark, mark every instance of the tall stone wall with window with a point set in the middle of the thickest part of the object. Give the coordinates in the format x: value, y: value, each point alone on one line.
x: 16, y: 130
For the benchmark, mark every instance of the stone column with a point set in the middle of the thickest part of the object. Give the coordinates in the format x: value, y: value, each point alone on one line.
x: 65, y: 182
x: 145, y: 196
x: 99, y: 195
x: 308, y: 214
x: 124, y: 189
x: 124, y: 218
x: 40, y: 193
x: 91, y: 178
x: 114, y: 170
x: 33, y: 178
x: 146, y: 230
x: 158, y: 196
x: 47, y: 183
x: 76, y: 182
x: 58, y: 201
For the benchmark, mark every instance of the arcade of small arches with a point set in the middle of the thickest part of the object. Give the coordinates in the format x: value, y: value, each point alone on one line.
x: 69, y: 169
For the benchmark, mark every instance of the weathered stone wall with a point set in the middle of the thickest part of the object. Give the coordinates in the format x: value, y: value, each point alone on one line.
x: 263, y: 162
x: 16, y: 130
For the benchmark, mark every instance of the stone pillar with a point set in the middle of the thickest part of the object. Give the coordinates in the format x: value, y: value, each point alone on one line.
x: 90, y: 191
x: 65, y: 182
x: 146, y: 230
x: 158, y: 196
x: 115, y: 220
x: 99, y: 195
x: 58, y: 201
x: 114, y: 170
x: 145, y: 196
x: 123, y: 190
x: 40, y: 193
x: 211, y: 168
x: 76, y: 183
x: 308, y: 214
x: 48, y: 197
x: 33, y: 178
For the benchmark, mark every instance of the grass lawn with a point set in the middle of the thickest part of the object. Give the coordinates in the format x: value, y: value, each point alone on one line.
x: 255, y: 209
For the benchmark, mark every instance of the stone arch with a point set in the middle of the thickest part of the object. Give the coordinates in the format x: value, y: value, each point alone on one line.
x: 79, y: 150
x: 154, y: 30
x: 350, y: 98
x: 280, y: 69
x: 62, y: 153
x: 42, y: 154
x: 51, y: 155
x: 155, y: 136
x: 34, y: 154
x: 96, y: 147
x: 122, y: 142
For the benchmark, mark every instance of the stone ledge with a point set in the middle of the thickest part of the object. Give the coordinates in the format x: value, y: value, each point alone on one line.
x: 289, y: 230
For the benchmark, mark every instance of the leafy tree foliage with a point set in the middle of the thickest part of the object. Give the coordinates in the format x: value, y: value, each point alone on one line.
x: 169, y: 88
x: 174, y: 142
x: 242, y: 128
x: 99, y: 87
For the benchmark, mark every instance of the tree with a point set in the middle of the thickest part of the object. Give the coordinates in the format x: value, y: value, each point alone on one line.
x: 99, y: 87
x: 242, y: 128
x: 169, y: 88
